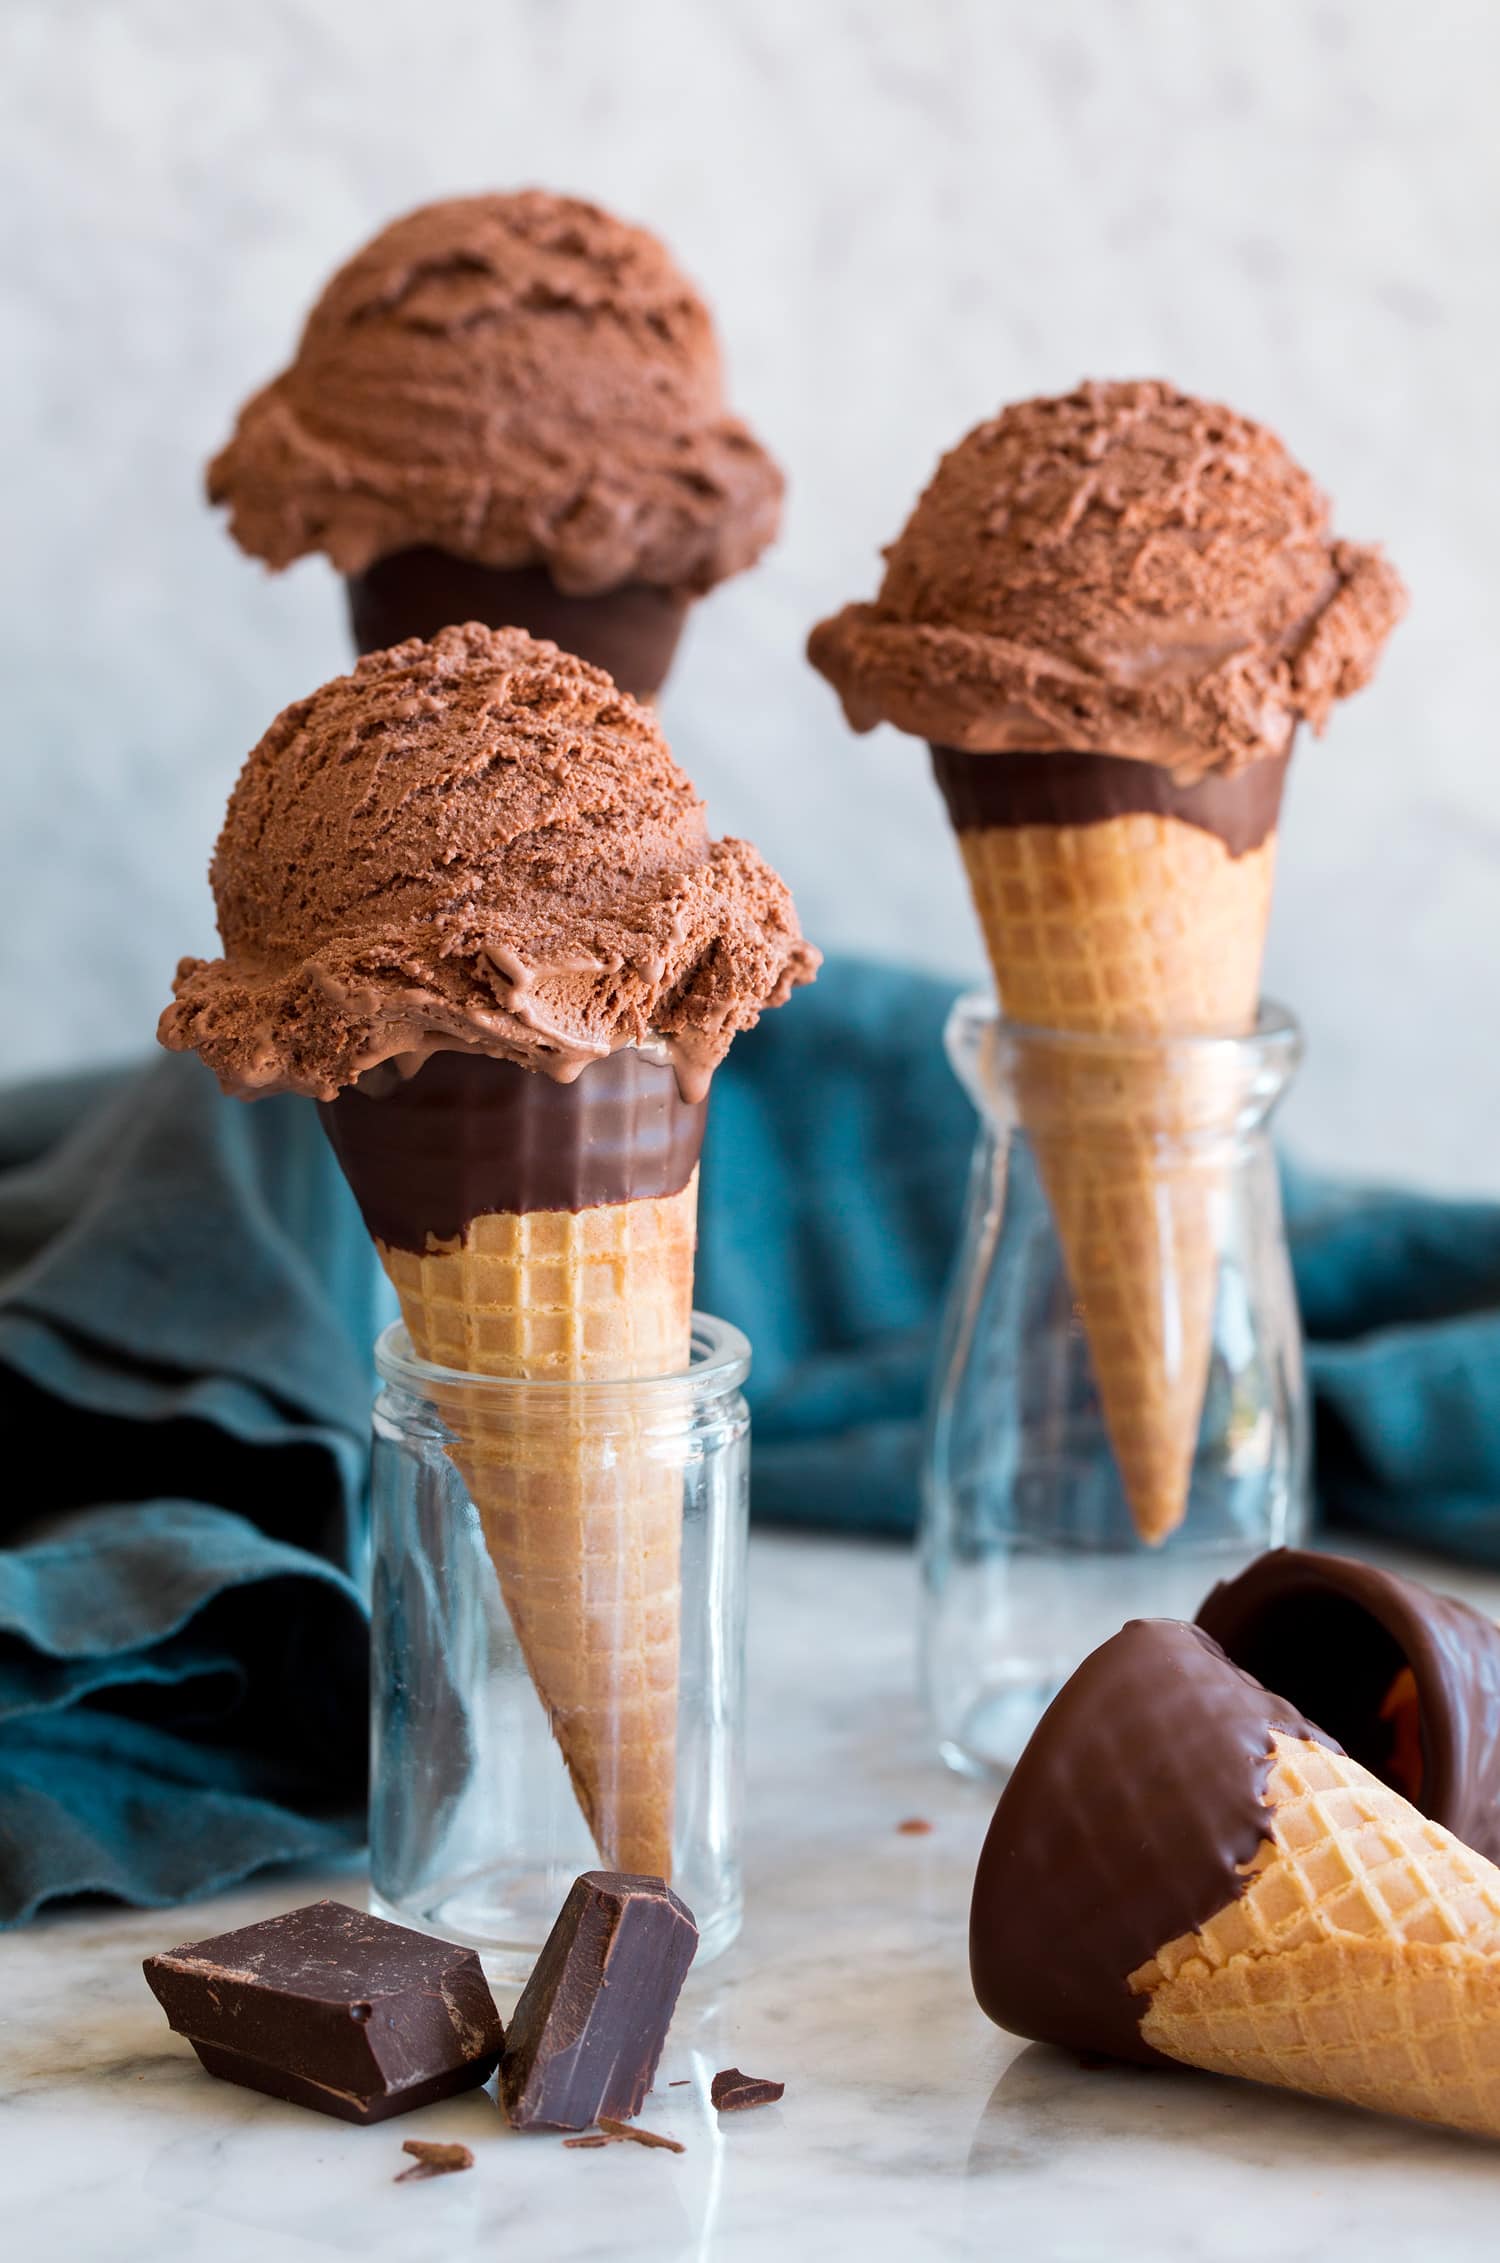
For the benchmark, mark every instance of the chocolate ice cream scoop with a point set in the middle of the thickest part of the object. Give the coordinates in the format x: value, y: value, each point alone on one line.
x: 476, y: 844
x: 1129, y: 1821
x: 1408, y: 1681
x: 503, y: 407
x: 1126, y: 571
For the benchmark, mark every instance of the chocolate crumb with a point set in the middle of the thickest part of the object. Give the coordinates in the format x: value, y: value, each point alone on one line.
x: 639, y: 2136
x: 594, y: 2138
x: 683, y: 2082
x: 914, y: 1827
x: 433, y: 2160
x: 733, y: 2092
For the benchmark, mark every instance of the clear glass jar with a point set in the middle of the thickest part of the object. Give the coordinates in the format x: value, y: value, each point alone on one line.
x: 1030, y: 1551
x: 475, y: 1830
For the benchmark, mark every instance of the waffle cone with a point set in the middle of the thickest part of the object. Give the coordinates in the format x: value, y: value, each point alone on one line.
x: 582, y: 1524
x: 1142, y: 926
x: 1361, y: 1962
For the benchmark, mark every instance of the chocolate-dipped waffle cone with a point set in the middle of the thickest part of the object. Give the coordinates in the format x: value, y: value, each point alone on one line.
x: 1183, y: 1869
x: 1361, y: 1960
x: 1142, y: 917
x: 470, y: 905
x: 1108, y: 615
x: 582, y: 1524
x: 1407, y: 1680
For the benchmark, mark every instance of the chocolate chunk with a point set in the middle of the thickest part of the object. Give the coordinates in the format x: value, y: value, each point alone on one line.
x: 733, y: 2092
x: 588, y: 2032
x: 431, y: 2159
x: 651, y: 2137
x: 331, y: 2008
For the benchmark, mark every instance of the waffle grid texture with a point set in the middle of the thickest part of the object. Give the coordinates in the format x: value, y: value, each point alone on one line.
x: 1141, y: 926
x: 1361, y: 1962
x: 582, y: 1517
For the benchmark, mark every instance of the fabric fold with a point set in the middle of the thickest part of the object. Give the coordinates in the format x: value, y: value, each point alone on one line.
x: 186, y: 1304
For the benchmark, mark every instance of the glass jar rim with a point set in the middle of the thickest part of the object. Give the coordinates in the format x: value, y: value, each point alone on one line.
x: 1277, y: 1031
x: 718, y: 1363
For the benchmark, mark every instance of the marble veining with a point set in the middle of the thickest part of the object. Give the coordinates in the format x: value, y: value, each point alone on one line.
x: 911, y: 2130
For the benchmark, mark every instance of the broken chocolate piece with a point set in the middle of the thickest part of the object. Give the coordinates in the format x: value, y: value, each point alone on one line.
x: 331, y: 2008
x: 619, y: 2129
x: 588, y: 2032
x: 734, y: 2093
x: 431, y: 2159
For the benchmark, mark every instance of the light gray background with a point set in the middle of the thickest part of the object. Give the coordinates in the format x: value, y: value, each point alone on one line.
x: 906, y: 212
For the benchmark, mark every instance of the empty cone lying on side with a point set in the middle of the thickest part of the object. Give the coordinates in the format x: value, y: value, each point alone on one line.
x: 1108, y: 614
x: 470, y: 904
x: 1184, y: 1870
x: 1360, y: 1962
x: 1406, y: 1679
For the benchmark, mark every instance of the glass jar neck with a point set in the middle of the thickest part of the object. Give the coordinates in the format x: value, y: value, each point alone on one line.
x: 1190, y: 1090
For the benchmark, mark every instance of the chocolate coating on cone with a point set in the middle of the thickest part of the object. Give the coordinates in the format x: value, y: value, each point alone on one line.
x: 630, y: 632
x: 1337, y: 1634
x: 1078, y: 788
x: 469, y: 1134
x: 1127, y: 1821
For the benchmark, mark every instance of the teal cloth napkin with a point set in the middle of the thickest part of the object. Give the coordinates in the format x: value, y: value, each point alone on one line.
x: 187, y: 1299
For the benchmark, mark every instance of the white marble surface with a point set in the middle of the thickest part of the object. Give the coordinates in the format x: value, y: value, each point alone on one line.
x: 906, y: 213
x: 911, y: 2131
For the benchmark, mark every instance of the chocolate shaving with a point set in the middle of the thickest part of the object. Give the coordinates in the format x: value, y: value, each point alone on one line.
x: 914, y: 1827
x: 683, y: 2082
x: 639, y: 2136
x: 430, y: 2159
x: 593, y: 2139
x: 733, y: 2092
